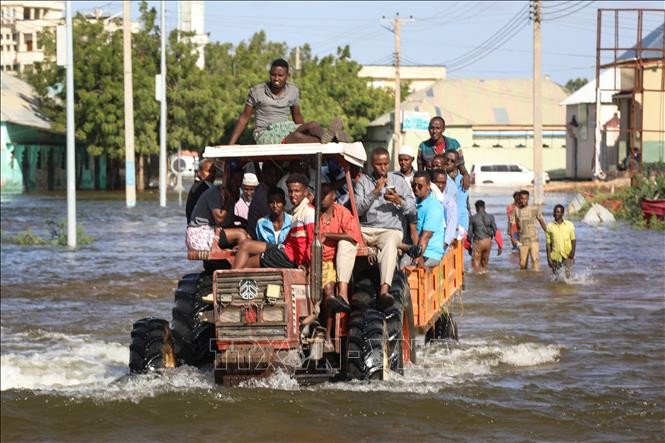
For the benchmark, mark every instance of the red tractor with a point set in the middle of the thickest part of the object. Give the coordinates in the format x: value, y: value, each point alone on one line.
x: 249, y: 322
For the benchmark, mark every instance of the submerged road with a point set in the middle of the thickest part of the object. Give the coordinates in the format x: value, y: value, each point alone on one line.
x: 537, y: 359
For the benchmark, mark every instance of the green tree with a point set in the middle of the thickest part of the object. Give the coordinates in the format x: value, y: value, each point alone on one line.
x: 574, y: 84
x: 203, y: 104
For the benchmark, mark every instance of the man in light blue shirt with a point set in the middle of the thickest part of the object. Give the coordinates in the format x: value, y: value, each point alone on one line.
x: 441, y: 181
x: 430, y: 224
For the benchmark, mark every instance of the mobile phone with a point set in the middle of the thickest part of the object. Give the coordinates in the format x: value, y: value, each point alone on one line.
x: 390, y: 187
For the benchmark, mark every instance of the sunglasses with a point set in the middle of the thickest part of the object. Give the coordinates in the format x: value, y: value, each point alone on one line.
x: 450, y: 160
x: 417, y: 186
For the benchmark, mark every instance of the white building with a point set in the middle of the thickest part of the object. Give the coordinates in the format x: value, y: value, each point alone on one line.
x: 192, y: 19
x: 420, y: 77
x: 22, y: 25
x: 581, y: 126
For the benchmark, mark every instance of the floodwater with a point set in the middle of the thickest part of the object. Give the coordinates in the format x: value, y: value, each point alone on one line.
x: 537, y: 360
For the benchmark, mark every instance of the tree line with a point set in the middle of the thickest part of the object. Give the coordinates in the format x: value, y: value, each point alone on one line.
x: 203, y: 104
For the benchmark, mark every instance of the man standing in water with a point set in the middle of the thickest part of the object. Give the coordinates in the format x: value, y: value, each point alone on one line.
x: 560, y: 243
x: 525, y: 216
x: 512, y: 228
x: 482, y: 229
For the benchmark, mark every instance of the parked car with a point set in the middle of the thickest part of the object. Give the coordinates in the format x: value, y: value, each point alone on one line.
x: 512, y: 174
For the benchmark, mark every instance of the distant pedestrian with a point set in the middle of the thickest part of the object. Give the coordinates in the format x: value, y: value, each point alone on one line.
x: 525, y: 217
x: 560, y: 243
x: 512, y: 227
x: 482, y: 229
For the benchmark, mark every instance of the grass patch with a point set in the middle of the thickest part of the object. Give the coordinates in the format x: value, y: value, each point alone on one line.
x: 58, y: 232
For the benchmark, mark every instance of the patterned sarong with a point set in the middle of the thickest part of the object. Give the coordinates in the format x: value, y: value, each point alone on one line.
x: 274, y: 133
x: 200, y: 238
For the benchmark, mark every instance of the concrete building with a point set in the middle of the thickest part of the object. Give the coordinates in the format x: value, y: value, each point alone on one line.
x: 420, y: 77
x: 581, y: 126
x: 192, y: 19
x: 32, y: 155
x: 641, y: 99
x: 491, y: 118
x: 22, y: 25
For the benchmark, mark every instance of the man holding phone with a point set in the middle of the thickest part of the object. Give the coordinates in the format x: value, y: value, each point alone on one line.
x: 383, y: 200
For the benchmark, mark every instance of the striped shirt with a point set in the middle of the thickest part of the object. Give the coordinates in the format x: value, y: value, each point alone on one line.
x: 298, y: 243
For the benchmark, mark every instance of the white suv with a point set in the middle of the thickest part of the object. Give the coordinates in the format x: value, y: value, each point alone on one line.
x: 512, y: 174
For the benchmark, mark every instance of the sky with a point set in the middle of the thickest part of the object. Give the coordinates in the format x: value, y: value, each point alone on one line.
x: 480, y: 39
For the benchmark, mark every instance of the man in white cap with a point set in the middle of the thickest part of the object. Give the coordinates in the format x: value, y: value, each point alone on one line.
x: 241, y: 209
x: 405, y: 160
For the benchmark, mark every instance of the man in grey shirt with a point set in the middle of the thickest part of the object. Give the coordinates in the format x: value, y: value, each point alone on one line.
x: 272, y: 103
x: 383, y: 200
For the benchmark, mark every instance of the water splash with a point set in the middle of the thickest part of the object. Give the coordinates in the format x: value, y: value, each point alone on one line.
x: 581, y: 277
x: 83, y: 367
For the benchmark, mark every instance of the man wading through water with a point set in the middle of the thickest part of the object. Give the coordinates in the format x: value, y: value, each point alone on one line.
x: 525, y: 216
x: 560, y: 243
x: 482, y: 229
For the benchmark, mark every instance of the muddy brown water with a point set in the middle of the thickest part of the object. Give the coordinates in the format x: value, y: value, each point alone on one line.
x: 537, y: 360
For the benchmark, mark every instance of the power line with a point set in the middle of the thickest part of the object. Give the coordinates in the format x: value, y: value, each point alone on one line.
x: 489, y: 50
x: 583, y: 5
x: 565, y: 6
x: 498, y: 34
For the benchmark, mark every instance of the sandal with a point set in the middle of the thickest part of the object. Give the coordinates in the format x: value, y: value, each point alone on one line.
x: 337, y: 304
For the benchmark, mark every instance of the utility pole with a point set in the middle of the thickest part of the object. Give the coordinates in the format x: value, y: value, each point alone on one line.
x: 162, y: 119
x: 397, y: 120
x: 298, y: 66
x: 397, y: 130
x: 71, y: 141
x: 130, y: 179
x: 539, y: 191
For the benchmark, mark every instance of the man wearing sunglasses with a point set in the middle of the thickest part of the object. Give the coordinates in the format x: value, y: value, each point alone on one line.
x: 430, y: 223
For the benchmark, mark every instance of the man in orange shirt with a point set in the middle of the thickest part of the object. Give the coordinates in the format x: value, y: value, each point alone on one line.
x: 340, y: 235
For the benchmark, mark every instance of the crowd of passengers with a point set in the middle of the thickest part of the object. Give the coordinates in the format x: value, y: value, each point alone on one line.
x: 411, y: 217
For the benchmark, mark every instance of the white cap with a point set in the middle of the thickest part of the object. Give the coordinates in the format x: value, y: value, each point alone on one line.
x: 249, y: 179
x: 406, y: 150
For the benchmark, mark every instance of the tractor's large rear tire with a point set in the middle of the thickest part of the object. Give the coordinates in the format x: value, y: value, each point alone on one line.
x: 152, y: 346
x: 367, y: 350
x: 400, y: 324
x: 445, y: 328
x: 191, y: 336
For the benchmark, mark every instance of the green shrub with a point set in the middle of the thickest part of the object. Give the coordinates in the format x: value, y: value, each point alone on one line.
x: 631, y: 210
x: 58, y: 231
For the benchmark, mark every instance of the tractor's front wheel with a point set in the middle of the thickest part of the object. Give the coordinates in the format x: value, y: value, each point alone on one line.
x: 152, y: 346
x: 191, y: 335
